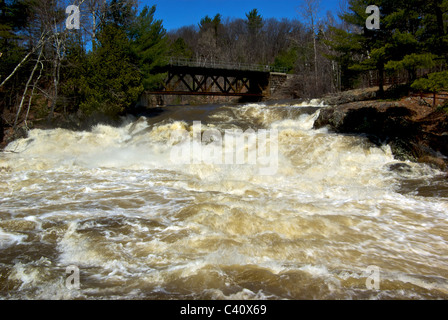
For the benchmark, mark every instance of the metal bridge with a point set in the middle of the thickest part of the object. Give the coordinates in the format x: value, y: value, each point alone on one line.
x: 209, y: 77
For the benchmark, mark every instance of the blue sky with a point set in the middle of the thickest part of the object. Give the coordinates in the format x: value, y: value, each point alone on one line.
x: 178, y: 13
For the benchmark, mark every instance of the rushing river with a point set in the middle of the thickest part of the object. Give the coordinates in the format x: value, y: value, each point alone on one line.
x: 339, y: 219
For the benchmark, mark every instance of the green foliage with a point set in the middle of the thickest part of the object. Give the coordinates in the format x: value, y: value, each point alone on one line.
x: 412, y: 35
x: 287, y: 59
x: 413, y: 61
x: 121, y: 13
x: 149, y: 45
x: 108, y: 78
x: 436, y: 82
x: 13, y: 20
x: 205, y: 23
x: 180, y: 49
x: 254, y: 21
x: 13, y: 17
x: 111, y: 77
x: 208, y: 22
x: 112, y: 81
x: 444, y: 107
x: 364, y: 50
x: 74, y: 68
x: 346, y: 46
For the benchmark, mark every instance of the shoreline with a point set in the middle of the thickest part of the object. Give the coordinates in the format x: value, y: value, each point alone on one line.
x: 415, y: 131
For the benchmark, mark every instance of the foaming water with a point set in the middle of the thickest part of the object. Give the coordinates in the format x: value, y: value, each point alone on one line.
x: 140, y: 225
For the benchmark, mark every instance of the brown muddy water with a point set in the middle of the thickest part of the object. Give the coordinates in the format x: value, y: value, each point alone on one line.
x: 136, y: 223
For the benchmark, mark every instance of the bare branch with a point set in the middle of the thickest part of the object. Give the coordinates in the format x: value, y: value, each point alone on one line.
x: 26, y: 89
x: 39, y: 45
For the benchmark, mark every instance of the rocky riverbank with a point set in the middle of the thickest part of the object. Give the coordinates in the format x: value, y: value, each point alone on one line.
x: 415, y: 130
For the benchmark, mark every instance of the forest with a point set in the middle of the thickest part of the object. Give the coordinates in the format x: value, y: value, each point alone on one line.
x: 50, y: 71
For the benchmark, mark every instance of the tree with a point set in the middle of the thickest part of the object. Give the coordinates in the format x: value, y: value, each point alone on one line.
x: 254, y: 22
x: 435, y: 28
x: 406, y: 39
x: 344, y: 48
x: 112, y: 82
x: 180, y: 49
x: 408, y: 46
x: 205, y: 23
x: 13, y: 19
x: 435, y: 82
x: 208, y: 23
x: 121, y: 13
x: 372, y: 55
x: 39, y: 56
x: 309, y: 9
x: 208, y: 41
x: 44, y: 31
x: 74, y: 70
x: 287, y: 59
x: 149, y: 43
x: 254, y: 43
x: 94, y: 16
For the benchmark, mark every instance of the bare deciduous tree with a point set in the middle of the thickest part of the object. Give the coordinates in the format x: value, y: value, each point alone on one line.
x: 309, y: 10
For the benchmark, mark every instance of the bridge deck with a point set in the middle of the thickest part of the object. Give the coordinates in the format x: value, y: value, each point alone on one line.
x: 212, y: 64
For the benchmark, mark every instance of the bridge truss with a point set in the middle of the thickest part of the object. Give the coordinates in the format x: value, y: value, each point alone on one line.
x: 194, y: 77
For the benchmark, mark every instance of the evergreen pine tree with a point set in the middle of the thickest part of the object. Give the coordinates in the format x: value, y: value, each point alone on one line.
x: 149, y: 45
x: 412, y: 35
x: 112, y: 82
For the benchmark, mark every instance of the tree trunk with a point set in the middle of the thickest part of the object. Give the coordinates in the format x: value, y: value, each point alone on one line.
x: 41, y: 42
x: 56, y: 74
x: 32, y: 92
x: 93, y: 31
x: 315, y: 57
x: 26, y: 89
x: 381, y: 80
x: 56, y: 85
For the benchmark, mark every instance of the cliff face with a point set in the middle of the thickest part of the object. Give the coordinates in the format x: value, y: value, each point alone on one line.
x: 414, y: 130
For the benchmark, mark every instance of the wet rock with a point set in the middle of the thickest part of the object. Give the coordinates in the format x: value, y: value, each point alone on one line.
x: 18, y: 225
x: 400, y: 168
x: 411, y: 135
x: 434, y: 162
x: 19, y: 133
x: 350, y: 96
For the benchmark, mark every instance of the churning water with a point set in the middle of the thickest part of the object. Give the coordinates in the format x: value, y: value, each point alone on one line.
x: 138, y: 225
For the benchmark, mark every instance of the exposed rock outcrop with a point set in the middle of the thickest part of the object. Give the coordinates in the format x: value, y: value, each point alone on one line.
x: 415, y: 132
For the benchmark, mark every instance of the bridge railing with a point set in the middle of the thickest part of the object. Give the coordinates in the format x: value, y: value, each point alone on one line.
x: 208, y: 63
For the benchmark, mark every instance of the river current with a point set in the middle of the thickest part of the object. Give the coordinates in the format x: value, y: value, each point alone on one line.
x: 339, y: 219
